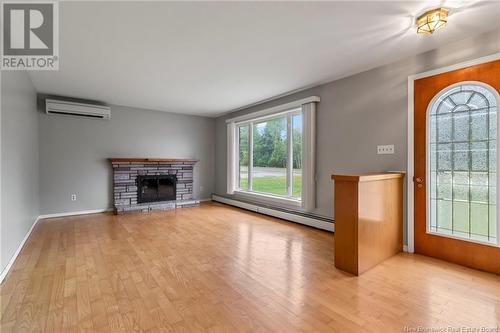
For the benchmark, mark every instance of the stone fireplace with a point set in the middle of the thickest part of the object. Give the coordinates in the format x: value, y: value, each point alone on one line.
x: 142, y: 185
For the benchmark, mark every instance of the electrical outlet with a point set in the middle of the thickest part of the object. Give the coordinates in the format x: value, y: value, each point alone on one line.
x: 73, y: 197
x: 384, y: 150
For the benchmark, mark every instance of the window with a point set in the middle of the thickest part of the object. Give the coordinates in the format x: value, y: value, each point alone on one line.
x: 272, y: 145
x: 462, y: 163
x: 297, y: 155
x: 243, y: 159
x: 271, y: 154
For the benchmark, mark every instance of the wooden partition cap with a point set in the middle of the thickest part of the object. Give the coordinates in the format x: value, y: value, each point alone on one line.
x: 369, y: 176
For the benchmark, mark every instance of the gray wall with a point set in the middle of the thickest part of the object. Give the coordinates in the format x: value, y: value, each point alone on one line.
x: 362, y: 111
x: 74, y: 153
x: 19, y: 159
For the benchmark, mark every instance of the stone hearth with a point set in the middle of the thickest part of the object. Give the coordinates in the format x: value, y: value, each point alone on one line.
x: 125, y: 187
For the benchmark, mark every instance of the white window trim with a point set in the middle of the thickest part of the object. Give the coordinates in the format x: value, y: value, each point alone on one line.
x: 275, y: 110
x: 231, y: 157
x: 410, y: 140
x: 307, y: 107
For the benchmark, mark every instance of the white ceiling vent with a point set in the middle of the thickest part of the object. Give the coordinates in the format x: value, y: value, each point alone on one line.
x: 53, y: 106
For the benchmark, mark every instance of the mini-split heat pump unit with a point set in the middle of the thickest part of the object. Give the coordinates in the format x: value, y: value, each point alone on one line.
x: 89, y: 110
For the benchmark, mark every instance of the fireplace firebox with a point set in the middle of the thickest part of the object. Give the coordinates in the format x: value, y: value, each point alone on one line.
x: 156, y: 188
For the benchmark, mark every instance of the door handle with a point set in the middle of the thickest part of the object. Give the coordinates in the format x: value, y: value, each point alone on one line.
x: 419, y: 181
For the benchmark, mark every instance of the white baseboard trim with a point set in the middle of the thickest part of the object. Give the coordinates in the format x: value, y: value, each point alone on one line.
x: 80, y: 212
x: 85, y: 212
x: 277, y: 213
x: 14, y: 257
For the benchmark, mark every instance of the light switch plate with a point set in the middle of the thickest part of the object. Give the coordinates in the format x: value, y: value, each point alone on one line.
x: 384, y: 150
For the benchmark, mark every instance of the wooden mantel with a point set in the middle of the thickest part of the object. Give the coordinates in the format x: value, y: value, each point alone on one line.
x: 368, y: 219
x: 158, y: 160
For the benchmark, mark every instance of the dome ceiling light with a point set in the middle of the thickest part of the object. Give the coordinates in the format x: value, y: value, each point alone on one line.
x: 431, y: 21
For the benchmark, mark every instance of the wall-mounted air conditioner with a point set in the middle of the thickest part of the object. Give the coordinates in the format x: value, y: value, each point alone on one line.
x: 53, y: 106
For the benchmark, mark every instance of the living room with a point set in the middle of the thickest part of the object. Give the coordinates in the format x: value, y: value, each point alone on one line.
x: 250, y: 166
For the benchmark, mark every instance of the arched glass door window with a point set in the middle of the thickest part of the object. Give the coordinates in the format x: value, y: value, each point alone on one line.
x: 462, y: 163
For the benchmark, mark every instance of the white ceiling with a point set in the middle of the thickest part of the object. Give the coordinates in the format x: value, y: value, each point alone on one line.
x: 208, y: 58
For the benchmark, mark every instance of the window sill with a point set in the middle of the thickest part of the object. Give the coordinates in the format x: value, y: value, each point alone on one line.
x: 286, y: 202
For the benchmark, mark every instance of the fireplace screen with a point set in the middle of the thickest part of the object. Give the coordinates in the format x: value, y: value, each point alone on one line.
x: 156, y: 188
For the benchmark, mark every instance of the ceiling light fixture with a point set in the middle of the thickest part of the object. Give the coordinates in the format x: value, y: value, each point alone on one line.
x: 431, y: 21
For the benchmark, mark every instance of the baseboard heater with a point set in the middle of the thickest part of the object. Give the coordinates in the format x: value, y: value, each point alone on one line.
x: 285, y: 214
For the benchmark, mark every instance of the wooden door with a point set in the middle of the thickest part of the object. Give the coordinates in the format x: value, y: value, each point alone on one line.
x: 455, y: 166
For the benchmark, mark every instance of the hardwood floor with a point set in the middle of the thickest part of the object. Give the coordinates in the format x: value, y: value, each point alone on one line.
x: 220, y: 269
